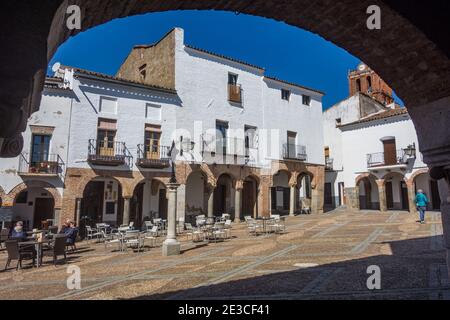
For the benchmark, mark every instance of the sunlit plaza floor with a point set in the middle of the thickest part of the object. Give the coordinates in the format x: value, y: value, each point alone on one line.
x: 319, y: 257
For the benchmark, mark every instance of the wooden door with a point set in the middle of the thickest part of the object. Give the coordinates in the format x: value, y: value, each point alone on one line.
x: 248, y: 198
x: 404, y: 195
x: 390, y: 152
x: 435, y: 198
x: 389, y: 195
x: 44, y: 208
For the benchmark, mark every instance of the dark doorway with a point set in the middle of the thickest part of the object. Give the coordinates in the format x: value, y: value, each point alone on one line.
x: 44, y: 208
x: 92, y: 203
x: 249, y: 196
x: 390, y: 152
x: 435, y: 198
x: 220, y: 196
x: 136, y: 206
x: 328, y: 194
x: 163, y: 204
x: 404, y: 195
x: 389, y: 195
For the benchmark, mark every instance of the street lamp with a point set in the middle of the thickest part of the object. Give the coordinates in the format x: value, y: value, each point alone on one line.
x: 410, y: 151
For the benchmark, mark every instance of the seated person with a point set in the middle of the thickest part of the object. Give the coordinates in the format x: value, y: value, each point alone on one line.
x: 65, y: 226
x: 71, y: 232
x: 18, y: 233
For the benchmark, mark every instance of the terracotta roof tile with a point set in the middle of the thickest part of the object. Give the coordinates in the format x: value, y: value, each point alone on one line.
x: 397, y: 111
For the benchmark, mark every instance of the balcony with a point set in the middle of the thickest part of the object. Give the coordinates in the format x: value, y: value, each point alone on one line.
x: 329, y: 164
x: 294, y: 152
x: 381, y: 159
x: 235, y: 93
x: 153, y: 158
x: 223, y: 151
x: 105, y: 153
x: 40, y: 164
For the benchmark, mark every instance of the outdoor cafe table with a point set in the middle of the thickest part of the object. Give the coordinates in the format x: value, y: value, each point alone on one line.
x: 264, y: 222
x: 38, y: 246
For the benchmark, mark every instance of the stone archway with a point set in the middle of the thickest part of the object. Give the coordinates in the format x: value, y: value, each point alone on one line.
x: 36, y: 184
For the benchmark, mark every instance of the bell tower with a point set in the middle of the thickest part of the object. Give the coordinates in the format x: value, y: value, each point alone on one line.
x: 365, y: 80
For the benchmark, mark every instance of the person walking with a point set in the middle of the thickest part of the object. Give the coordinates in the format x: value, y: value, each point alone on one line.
x: 421, y: 203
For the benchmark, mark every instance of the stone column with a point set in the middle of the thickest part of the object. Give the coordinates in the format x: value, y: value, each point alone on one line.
x: 211, y: 203
x: 238, y: 205
x: 411, y: 197
x: 171, y: 246
x: 126, y: 211
x: 292, y: 200
x: 78, y: 212
x: 382, y: 195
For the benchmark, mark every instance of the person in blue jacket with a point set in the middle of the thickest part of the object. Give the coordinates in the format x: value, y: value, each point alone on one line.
x: 18, y: 233
x: 421, y: 203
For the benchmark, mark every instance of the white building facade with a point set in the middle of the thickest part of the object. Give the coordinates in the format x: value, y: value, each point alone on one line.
x: 372, y: 157
x: 245, y: 144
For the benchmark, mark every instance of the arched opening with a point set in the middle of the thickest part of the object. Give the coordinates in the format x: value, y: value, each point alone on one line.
x: 102, y: 202
x: 250, y: 197
x: 369, y: 84
x: 223, y: 199
x: 369, y: 198
x: 396, y: 191
x: 149, y: 202
x: 280, y: 194
x: 195, y: 195
x: 430, y: 188
x: 304, y: 192
x: 358, y: 85
x: 35, y: 206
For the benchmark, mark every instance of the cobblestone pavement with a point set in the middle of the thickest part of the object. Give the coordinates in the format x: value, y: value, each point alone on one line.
x: 319, y: 257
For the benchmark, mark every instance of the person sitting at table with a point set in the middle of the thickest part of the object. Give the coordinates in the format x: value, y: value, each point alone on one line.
x: 18, y: 233
x: 71, y: 232
x: 65, y: 226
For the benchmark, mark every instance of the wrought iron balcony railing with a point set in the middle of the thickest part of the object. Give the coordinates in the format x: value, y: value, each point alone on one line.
x: 294, y: 152
x: 40, y: 163
x: 380, y: 159
x: 329, y: 164
x: 156, y: 157
x: 107, y: 153
x: 223, y: 150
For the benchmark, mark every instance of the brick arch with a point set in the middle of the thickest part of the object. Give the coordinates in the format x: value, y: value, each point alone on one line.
x: 387, y: 175
x: 289, y: 174
x: 2, y: 196
x: 12, y: 195
x: 79, y: 191
x: 363, y: 176
x: 419, y: 172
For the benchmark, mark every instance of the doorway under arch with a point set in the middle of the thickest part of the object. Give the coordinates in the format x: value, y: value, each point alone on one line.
x: 396, y: 191
x: 250, y: 197
x: 429, y: 186
x: 223, y: 200
x: 369, y: 198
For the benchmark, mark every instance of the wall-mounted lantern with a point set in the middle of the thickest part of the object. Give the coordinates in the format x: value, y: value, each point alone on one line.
x: 410, y: 151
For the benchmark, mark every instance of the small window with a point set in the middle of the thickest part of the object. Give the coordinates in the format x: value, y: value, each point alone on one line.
x: 232, y: 79
x: 285, y: 94
x: 338, y: 122
x: 22, y: 198
x: 306, y: 100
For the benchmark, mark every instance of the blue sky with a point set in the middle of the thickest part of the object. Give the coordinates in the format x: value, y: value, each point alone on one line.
x: 285, y: 52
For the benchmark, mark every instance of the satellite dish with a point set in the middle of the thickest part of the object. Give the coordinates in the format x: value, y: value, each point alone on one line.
x: 56, y: 67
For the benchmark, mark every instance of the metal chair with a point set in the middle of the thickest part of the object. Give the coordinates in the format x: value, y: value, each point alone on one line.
x: 14, y: 253
x: 4, y: 236
x: 58, y: 248
x: 92, y: 233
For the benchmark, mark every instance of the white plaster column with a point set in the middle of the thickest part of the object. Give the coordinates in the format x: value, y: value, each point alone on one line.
x: 211, y: 204
x: 126, y: 211
x: 238, y: 205
x: 171, y: 246
x: 292, y: 200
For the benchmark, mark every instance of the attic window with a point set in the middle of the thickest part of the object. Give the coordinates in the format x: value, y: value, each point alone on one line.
x: 338, y: 122
x: 306, y: 100
x: 143, y: 71
x: 285, y: 94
